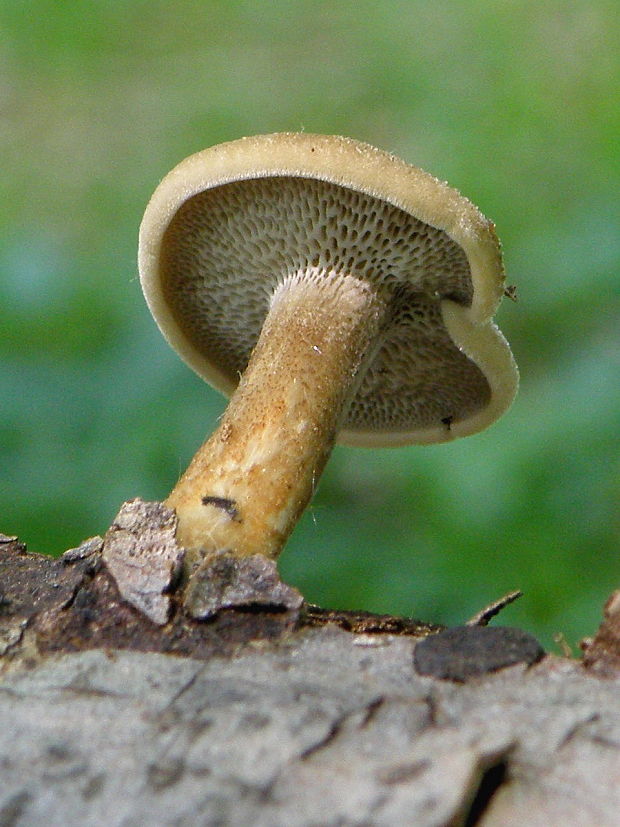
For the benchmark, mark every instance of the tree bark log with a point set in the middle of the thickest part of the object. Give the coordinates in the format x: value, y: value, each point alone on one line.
x: 276, y: 713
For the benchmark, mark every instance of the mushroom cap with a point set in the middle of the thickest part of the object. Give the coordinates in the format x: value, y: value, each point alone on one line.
x: 230, y: 223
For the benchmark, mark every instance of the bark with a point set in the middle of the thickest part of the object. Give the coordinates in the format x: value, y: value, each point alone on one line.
x: 121, y: 706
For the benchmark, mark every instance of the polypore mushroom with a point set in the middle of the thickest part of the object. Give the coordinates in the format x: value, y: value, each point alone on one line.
x: 336, y: 292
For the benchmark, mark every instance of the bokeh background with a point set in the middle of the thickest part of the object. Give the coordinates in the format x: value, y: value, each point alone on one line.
x: 515, y: 103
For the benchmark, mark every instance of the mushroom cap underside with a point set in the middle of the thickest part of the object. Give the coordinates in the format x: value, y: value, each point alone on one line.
x: 229, y: 224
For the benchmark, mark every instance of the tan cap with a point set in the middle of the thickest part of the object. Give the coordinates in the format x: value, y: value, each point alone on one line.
x: 231, y: 223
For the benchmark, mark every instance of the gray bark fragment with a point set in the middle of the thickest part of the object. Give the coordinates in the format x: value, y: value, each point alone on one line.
x: 224, y: 581
x: 323, y: 728
x: 464, y: 652
x: 141, y: 553
x: 93, y: 545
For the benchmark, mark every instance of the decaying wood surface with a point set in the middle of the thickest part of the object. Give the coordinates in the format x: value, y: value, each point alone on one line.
x: 120, y: 705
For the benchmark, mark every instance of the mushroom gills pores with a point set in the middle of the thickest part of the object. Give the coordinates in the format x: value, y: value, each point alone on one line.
x: 268, y: 229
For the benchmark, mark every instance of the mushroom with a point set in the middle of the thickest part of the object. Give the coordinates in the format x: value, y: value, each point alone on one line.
x: 337, y: 293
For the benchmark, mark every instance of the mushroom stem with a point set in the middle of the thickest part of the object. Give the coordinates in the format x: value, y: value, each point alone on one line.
x: 250, y: 481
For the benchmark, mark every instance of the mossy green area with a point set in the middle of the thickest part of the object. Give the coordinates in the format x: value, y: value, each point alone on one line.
x: 516, y: 104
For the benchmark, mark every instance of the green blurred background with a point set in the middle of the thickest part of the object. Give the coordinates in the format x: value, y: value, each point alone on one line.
x: 514, y: 103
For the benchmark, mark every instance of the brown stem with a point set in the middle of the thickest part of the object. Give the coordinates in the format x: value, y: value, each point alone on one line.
x: 250, y: 481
